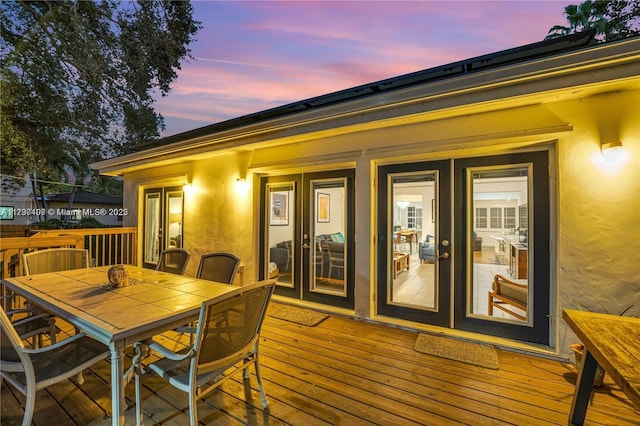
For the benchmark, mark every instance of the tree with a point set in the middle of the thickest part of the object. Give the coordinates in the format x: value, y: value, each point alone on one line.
x: 78, y: 78
x: 612, y: 20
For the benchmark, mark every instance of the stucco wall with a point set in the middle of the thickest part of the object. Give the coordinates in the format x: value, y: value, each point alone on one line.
x: 595, y: 207
x: 598, y: 207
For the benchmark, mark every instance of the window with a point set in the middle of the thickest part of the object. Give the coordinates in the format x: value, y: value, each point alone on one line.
x: 509, y: 217
x: 496, y: 217
x: 481, y: 217
x: 523, y: 213
x: 72, y: 215
x: 414, y: 217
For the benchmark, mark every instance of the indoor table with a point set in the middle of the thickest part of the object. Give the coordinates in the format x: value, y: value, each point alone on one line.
x: 152, y: 303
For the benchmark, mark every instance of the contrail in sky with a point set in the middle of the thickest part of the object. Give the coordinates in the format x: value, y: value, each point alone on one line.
x: 250, y: 64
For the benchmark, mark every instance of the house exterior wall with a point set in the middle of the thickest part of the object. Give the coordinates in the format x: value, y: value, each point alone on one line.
x: 595, y: 207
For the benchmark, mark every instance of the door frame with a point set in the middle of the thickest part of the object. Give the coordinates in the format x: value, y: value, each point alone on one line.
x: 384, y: 249
x: 456, y: 219
x: 301, y: 259
x: 538, y: 331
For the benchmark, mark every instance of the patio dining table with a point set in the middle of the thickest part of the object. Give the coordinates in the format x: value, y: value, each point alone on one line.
x: 152, y: 303
x: 611, y: 341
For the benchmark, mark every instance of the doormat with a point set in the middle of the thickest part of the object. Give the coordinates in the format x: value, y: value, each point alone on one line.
x: 297, y: 315
x: 457, y: 350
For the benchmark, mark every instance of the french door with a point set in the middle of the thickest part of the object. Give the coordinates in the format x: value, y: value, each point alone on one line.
x: 307, y: 224
x: 163, y: 218
x: 447, y: 229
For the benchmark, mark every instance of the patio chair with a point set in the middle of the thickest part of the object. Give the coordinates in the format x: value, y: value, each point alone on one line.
x: 55, y: 260
x: 219, y: 267
x: 30, y: 370
x: 505, y: 293
x: 28, y: 324
x: 226, y: 341
x: 35, y: 327
x: 173, y: 260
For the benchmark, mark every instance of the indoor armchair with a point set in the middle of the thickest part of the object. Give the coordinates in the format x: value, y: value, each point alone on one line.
x: 507, y: 295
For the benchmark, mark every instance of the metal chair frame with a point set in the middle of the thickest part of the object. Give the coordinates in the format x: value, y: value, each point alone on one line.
x: 227, y: 263
x: 30, y: 370
x: 226, y: 341
x: 167, y: 256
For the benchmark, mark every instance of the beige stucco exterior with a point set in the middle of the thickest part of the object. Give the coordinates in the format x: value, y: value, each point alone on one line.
x: 568, y: 104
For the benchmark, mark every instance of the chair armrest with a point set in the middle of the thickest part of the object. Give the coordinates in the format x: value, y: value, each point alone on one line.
x: 167, y: 353
x: 56, y: 345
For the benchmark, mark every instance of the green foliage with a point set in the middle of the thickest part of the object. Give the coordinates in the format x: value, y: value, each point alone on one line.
x: 85, y: 222
x: 88, y: 222
x: 612, y: 20
x: 50, y: 224
x: 78, y: 78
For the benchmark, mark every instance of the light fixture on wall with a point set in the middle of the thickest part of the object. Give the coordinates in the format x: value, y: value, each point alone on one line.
x: 187, y: 188
x: 612, y: 151
x: 241, y: 185
x: 403, y: 204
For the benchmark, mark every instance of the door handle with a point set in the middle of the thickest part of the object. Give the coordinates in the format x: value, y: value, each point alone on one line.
x: 305, y: 246
x: 444, y: 255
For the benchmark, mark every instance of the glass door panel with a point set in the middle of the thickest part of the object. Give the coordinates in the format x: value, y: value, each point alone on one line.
x: 498, y: 244
x: 504, y: 229
x: 327, y: 237
x: 413, y: 242
x: 280, y: 232
x: 174, y: 219
x: 151, y: 226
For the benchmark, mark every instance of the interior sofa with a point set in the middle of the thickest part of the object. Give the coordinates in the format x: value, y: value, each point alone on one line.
x: 280, y: 254
x: 329, y: 255
x: 427, y: 249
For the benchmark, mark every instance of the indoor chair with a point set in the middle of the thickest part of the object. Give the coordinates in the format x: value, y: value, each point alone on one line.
x: 226, y: 341
x: 219, y: 267
x: 173, y: 260
x: 30, y: 370
x: 427, y: 250
x: 505, y: 293
x: 336, y: 259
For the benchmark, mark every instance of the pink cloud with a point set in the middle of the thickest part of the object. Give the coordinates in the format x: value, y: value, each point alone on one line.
x: 257, y: 55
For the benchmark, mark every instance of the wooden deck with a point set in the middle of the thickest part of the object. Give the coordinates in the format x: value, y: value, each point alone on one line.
x: 345, y: 372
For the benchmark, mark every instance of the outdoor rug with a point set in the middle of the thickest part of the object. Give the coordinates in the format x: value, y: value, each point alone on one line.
x: 457, y: 350
x: 294, y: 314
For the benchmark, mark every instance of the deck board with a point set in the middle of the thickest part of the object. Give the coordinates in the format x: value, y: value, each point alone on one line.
x: 344, y: 371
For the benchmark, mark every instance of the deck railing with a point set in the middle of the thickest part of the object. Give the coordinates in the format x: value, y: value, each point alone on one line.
x: 106, y: 246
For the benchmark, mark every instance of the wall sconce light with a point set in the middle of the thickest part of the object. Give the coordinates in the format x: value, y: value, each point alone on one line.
x: 612, y: 151
x: 187, y: 188
x: 403, y: 204
x: 242, y: 186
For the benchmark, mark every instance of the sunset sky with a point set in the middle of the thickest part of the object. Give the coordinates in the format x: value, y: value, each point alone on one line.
x: 251, y: 56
